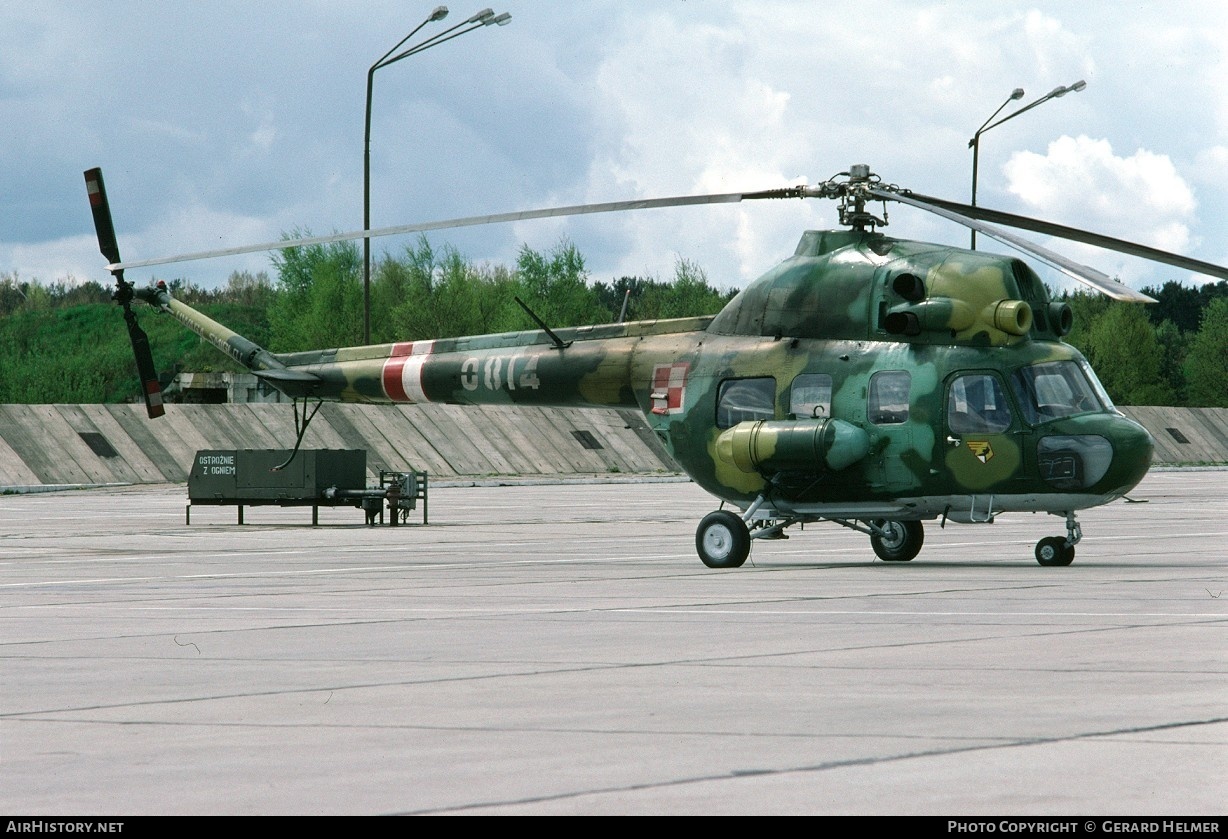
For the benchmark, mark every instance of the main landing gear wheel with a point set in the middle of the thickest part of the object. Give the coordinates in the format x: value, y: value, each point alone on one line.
x: 723, y: 540
x: 897, y: 541
x: 1053, y: 550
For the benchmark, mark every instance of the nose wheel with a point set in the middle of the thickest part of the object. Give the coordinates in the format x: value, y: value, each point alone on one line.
x: 1053, y: 550
x: 1056, y: 550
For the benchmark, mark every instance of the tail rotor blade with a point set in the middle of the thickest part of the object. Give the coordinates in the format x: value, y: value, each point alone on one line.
x: 103, y: 225
x: 150, y: 388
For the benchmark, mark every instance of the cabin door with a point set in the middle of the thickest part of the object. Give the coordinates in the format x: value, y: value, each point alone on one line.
x: 978, y: 453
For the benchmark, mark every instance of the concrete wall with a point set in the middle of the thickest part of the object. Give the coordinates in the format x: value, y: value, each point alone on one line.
x: 56, y: 445
x: 1185, y: 436
x: 43, y: 445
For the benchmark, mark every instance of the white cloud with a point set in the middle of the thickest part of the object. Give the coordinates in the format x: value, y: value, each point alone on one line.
x: 264, y: 135
x: 1052, y: 44
x: 71, y: 260
x: 1080, y: 182
x: 76, y: 259
x: 1212, y: 165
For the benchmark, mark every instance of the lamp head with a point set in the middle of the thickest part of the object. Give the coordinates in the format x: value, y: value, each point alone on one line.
x: 440, y: 13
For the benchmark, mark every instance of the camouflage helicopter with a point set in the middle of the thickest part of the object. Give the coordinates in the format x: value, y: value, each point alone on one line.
x: 871, y: 382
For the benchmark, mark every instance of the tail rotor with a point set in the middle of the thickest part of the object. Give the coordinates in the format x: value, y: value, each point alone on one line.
x: 150, y: 388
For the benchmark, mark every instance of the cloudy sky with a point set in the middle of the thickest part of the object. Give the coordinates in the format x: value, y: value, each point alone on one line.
x: 222, y: 124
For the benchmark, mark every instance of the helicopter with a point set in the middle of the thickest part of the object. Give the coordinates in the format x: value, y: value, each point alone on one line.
x: 866, y: 381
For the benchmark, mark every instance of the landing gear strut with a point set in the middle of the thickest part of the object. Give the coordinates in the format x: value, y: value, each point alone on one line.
x: 724, y: 537
x: 1056, y: 551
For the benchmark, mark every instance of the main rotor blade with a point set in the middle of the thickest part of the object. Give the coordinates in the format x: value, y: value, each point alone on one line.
x: 1077, y: 235
x: 1085, y: 274
x: 470, y: 221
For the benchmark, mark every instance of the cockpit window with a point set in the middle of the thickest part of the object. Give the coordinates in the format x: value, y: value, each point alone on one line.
x: 1054, y: 390
x: 1097, y: 386
x: 976, y: 404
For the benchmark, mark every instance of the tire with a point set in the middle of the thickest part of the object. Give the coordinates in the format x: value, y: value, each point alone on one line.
x: 900, y: 542
x: 722, y: 540
x: 1052, y: 551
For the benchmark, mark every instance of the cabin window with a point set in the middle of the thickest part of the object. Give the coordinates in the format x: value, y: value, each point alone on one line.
x: 887, y: 400
x: 810, y: 396
x: 1053, y: 390
x: 739, y: 400
x: 976, y: 404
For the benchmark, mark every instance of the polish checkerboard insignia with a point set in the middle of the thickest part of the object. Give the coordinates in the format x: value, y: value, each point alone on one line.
x: 669, y: 387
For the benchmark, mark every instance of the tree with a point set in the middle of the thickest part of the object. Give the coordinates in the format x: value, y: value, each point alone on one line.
x: 478, y: 299
x: 1174, y: 346
x: 438, y: 294
x: 691, y: 295
x: 1122, y: 347
x: 1086, y: 308
x: 12, y: 293
x: 555, y: 286
x: 320, y: 301
x: 688, y: 295
x: 1206, y: 365
x: 625, y: 290
x: 1176, y: 303
x: 249, y: 289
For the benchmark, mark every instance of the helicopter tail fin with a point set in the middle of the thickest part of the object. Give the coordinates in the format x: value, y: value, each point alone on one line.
x: 151, y: 389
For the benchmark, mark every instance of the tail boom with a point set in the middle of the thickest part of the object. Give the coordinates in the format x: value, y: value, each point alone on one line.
x: 596, y: 367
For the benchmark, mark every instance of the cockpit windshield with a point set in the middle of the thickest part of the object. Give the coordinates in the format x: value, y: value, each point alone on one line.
x: 1056, y: 389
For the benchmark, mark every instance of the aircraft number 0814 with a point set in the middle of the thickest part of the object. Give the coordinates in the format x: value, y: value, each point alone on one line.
x: 490, y: 375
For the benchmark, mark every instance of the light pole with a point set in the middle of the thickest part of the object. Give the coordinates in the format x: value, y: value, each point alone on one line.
x: 975, y: 145
x: 1017, y: 93
x: 486, y: 17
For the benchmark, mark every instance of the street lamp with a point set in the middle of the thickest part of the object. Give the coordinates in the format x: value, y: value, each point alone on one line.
x: 486, y: 17
x: 1017, y: 93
